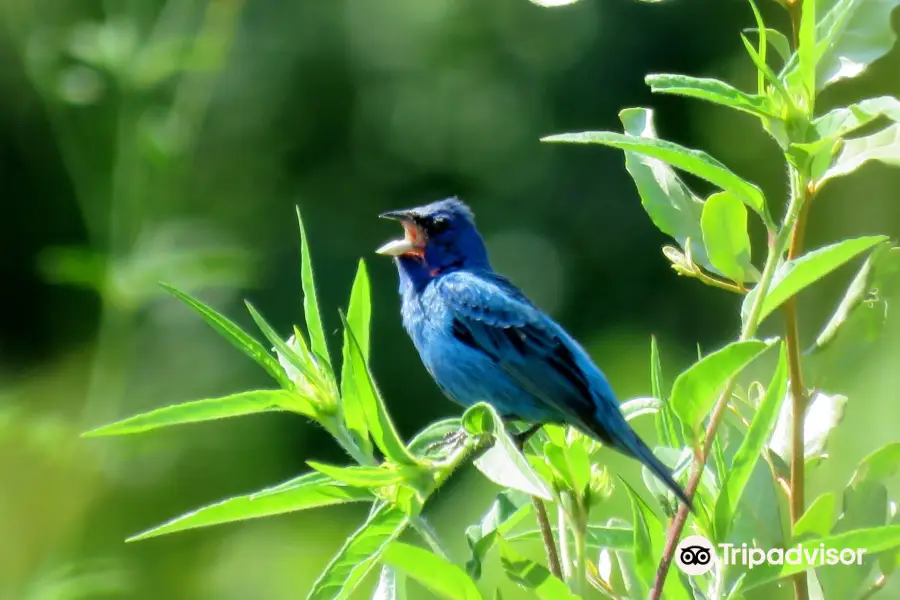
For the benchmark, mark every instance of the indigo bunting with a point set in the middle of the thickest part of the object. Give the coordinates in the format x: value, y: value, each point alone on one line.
x: 481, y: 339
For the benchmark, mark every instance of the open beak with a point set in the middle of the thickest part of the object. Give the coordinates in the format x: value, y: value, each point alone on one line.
x: 413, y: 241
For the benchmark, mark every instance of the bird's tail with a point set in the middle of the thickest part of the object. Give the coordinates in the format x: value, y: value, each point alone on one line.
x: 631, y: 445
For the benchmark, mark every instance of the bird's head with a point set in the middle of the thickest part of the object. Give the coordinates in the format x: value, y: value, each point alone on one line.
x: 439, y: 237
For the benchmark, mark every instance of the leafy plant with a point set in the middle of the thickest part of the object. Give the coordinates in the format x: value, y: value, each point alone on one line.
x: 740, y: 448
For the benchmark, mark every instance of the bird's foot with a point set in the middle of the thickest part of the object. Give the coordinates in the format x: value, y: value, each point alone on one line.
x: 450, y: 441
x: 521, y: 438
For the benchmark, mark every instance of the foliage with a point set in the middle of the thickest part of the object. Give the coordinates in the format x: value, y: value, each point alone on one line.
x: 739, y: 455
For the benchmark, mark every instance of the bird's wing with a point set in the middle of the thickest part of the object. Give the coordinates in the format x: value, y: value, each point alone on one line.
x: 492, y: 316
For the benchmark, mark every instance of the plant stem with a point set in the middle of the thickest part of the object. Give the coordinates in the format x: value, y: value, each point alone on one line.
x: 776, y: 249
x: 799, y: 189
x: 563, y: 529
x: 579, y: 539
x: 543, y: 520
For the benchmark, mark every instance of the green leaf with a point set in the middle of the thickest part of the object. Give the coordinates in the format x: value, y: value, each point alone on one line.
x: 572, y: 464
x: 362, y: 476
x: 433, y: 435
x: 883, y: 146
x: 777, y: 40
x: 672, y: 207
x: 505, y: 512
x: 750, y: 450
x: 761, y: 66
x: 234, y: 334
x: 795, y: 275
x: 359, y: 554
x: 807, y: 52
x: 391, y: 585
x: 637, y: 407
x: 878, y: 466
x: 359, y: 315
x: 823, y: 414
x: 598, y: 537
x: 724, y: 225
x: 852, y: 34
x: 211, y: 409
x: 310, y: 302
x: 696, y: 162
x: 503, y: 463
x: 817, y: 520
x: 693, y: 391
x: 379, y: 421
x: 666, y: 421
x: 711, y: 90
x: 531, y: 575
x: 844, y: 120
x: 874, y: 540
x: 437, y: 574
x: 308, y: 491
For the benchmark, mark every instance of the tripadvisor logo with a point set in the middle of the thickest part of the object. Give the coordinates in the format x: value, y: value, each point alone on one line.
x: 696, y: 555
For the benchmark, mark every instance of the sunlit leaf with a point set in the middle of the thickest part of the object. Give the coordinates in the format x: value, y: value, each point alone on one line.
x: 748, y: 453
x: 694, y: 390
x: 379, y: 421
x: 636, y: 407
x: 302, y: 493
x: 883, y: 146
x: 844, y: 120
x: 235, y: 405
x: 234, y: 334
x: 777, y: 40
x: 711, y: 90
x: 531, y: 575
x: 807, y: 51
x: 310, y: 301
x: 503, y: 464
x: 818, y: 518
x: 361, y: 476
x: 432, y: 436
x: 359, y: 315
x: 824, y: 412
x: 667, y: 426
x: 795, y: 275
x: 391, y: 585
x: 359, y: 554
x: 696, y: 162
x: 505, y: 512
x: 724, y: 225
x: 435, y: 573
x: 598, y: 537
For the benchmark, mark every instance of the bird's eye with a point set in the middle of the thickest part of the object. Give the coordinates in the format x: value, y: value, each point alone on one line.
x: 438, y: 225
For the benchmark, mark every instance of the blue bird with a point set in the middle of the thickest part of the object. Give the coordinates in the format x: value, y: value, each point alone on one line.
x: 481, y: 339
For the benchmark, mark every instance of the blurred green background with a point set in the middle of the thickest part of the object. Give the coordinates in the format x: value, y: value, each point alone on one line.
x: 144, y: 140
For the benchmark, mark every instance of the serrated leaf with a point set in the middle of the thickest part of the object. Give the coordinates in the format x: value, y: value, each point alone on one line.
x: 506, y: 511
x: 883, y: 146
x: 748, y: 453
x: 380, y: 425
x: 795, y: 275
x: 824, y: 412
x: 210, y: 409
x: 693, y: 391
x: 874, y: 540
x: 672, y: 207
x: 308, y: 491
x: 503, y: 463
x: 359, y: 316
x: 435, y: 573
x: 532, y: 576
x: 711, y: 90
x: 844, y: 120
x: 817, y: 520
x: 310, y: 301
x: 234, y: 334
x: 359, y: 554
x: 696, y: 162
x: 724, y: 225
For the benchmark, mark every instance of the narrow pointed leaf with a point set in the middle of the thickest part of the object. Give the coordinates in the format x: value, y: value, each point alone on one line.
x: 359, y: 554
x: 724, y: 225
x: 883, y: 146
x: 750, y: 450
x: 693, y: 393
x: 210, y: 409
x: 795, y: 275
x: 637, y: 407
x: 360, y: 476
x: 234, y: 334
x: 807, y: 52
x: 310, y: 300
x: 309, y: 491
x: 696, y: 162
x: 844, y: 120
x: 440, y: 576
x: 505, y: 512
x: 818, y: 518
x: 359, y: 315
x: 711, y: 90
x: 378, y: 420
x: 777, y: 40
x: 532, y: 576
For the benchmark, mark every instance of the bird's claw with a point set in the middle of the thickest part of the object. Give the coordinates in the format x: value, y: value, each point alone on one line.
x: 449, y: 441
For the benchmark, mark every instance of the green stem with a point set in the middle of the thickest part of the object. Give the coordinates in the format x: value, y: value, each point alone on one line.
x: 563, y: 529
x: 579, y: 539
x: 776, y: 249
